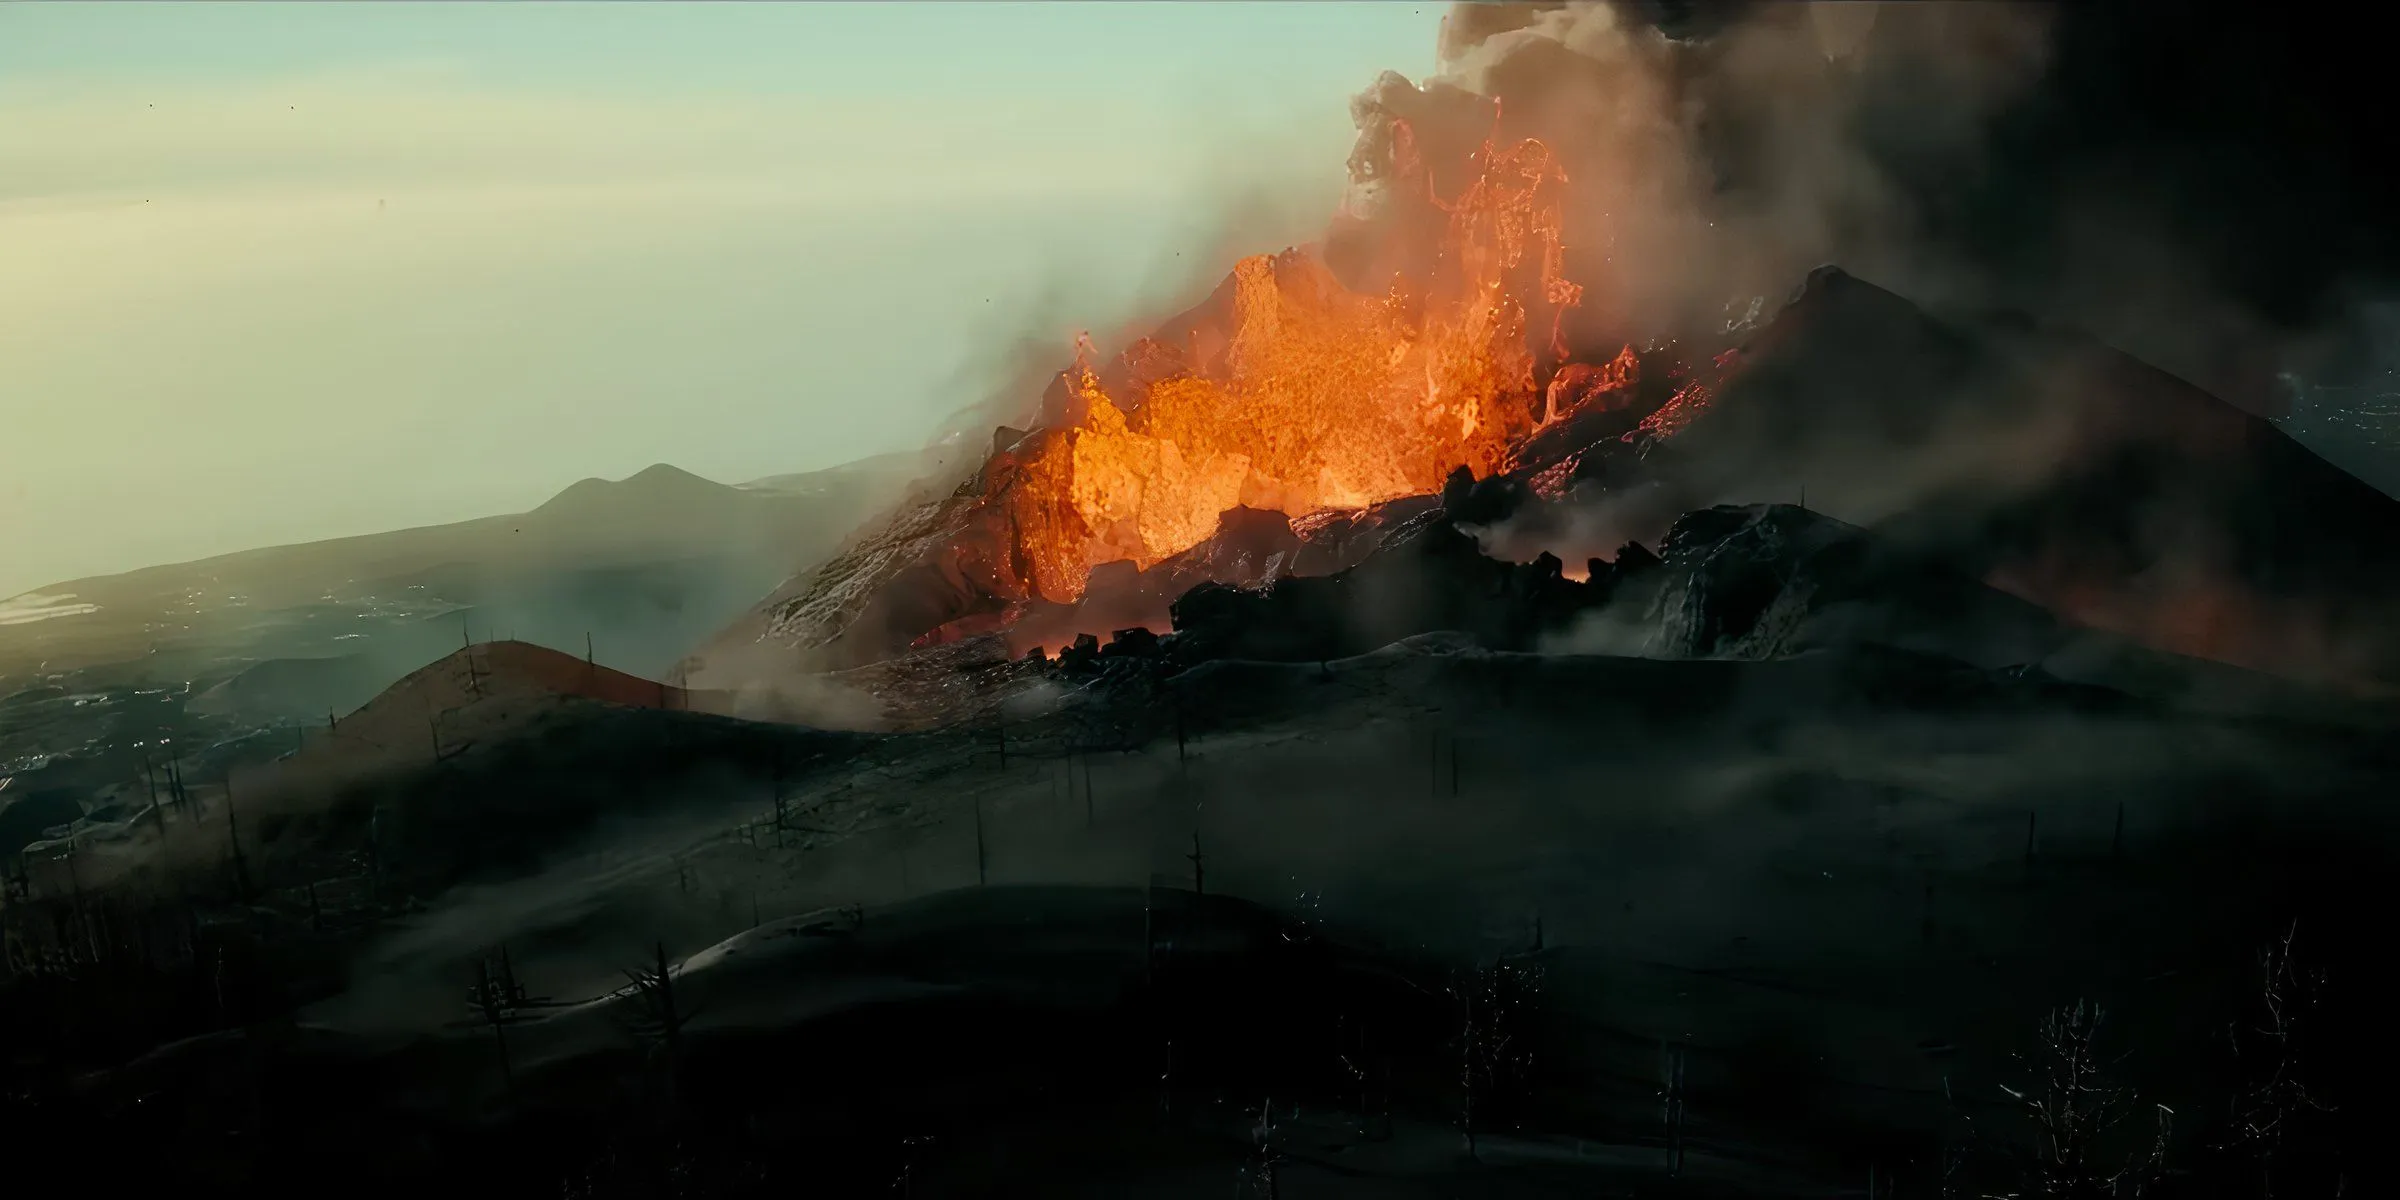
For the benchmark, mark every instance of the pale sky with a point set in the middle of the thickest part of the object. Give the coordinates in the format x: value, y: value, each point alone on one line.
x: 278, y: 272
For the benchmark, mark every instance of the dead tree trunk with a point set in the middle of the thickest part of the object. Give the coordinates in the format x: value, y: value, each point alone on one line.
x: 233, y: 838
x: 663, y: 1016
x: 982, y: 865
x: 490, y: 1001
x: 1199, y: 863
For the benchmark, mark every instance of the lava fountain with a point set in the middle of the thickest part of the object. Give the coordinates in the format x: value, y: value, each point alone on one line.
x: 1287, y: 404
x: 1305, y: 396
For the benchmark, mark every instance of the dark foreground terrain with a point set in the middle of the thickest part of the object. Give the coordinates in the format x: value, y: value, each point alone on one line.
x: 1431, y: 921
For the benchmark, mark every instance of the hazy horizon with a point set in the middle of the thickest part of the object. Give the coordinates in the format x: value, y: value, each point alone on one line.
x: 280, y: 273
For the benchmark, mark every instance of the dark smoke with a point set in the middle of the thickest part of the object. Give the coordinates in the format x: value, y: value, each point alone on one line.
x: 2201, y: 186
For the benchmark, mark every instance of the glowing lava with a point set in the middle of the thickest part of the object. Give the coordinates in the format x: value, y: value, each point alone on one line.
x: 1313, y: 397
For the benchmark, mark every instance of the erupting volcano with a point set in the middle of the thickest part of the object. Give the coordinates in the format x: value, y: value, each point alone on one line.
x: 1520, y: 323
x: 1264, y: 431
x: 1292, y: 393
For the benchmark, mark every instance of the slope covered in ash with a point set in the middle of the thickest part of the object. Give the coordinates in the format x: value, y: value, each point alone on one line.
x: 2057, y: 467
x: 1754, y: 582
x: 480, y: 765
x: 1833, y: 880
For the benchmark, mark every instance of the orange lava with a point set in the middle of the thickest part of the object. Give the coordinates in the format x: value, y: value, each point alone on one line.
x: 1315, y: 397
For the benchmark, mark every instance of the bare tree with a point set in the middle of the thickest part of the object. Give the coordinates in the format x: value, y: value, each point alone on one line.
x: 1199, y: 863
x: 905, y: 1184
x: 663, y: 1015
x: 783, y: 814
x: 982, y: 856
x: 1958, y: 1139
x: 150, y: 775
x: 233, y: 839
x: 2072, y: 1106
x: 1259, y: 1172
x: 1374, y: 1089
x: 489, y: 999
x: 2274, y: 1096
x: 1494, y: 1056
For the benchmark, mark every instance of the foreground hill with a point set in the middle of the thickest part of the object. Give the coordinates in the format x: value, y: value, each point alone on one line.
x: 498, y: 752
x: 1842, y: 886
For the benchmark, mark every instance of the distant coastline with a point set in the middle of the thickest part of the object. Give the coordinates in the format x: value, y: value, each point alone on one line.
x: 38, y: 606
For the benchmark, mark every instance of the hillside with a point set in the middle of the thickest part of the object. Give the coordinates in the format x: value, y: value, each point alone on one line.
x: 1812, y: 875
x: 643, y: 565
x: 480, y: 693
x: 479, y: 737
x: 2056, y: 467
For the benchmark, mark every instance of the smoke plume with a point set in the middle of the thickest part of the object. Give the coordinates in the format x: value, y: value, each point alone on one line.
x: 1965, y: 155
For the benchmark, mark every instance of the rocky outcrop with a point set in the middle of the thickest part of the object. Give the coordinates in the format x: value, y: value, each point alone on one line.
x: 2046, y: 462
x: 1427, y: 576
x: 1768, y: 581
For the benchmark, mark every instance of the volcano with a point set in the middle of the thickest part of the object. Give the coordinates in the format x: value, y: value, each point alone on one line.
x: 1277, y: 427
x: 1461, y: 343
x: 2033, y: 458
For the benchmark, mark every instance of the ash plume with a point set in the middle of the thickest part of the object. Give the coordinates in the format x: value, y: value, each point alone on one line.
x: 1977, y: 155
x: 1706, y: 168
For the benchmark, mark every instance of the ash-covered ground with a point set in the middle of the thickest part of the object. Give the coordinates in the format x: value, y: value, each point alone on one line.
x: 1432, y: 920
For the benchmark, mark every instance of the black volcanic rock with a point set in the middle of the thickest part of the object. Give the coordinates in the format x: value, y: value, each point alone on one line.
x: 1137, y: 642
x: 1080, y: 655
x: 1486, y: 501
x: 1634, y: 557
x: 1250, y: 545
x: 1768, y: 581
x: 1456, y: 491
x: 1427, y: 576
x: 1336, y: 541
x: 2078, y: 477
x: 26, y: 812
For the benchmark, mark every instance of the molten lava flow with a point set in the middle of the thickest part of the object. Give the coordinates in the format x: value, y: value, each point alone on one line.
x: 1315, y: 397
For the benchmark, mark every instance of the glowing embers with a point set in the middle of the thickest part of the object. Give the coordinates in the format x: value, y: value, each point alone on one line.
x: 1688, y: 403
x: 1321, y: 398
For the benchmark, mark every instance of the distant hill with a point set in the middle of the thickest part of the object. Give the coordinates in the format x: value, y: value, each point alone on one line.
x: 882, y: 470
x: 643, y: 566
